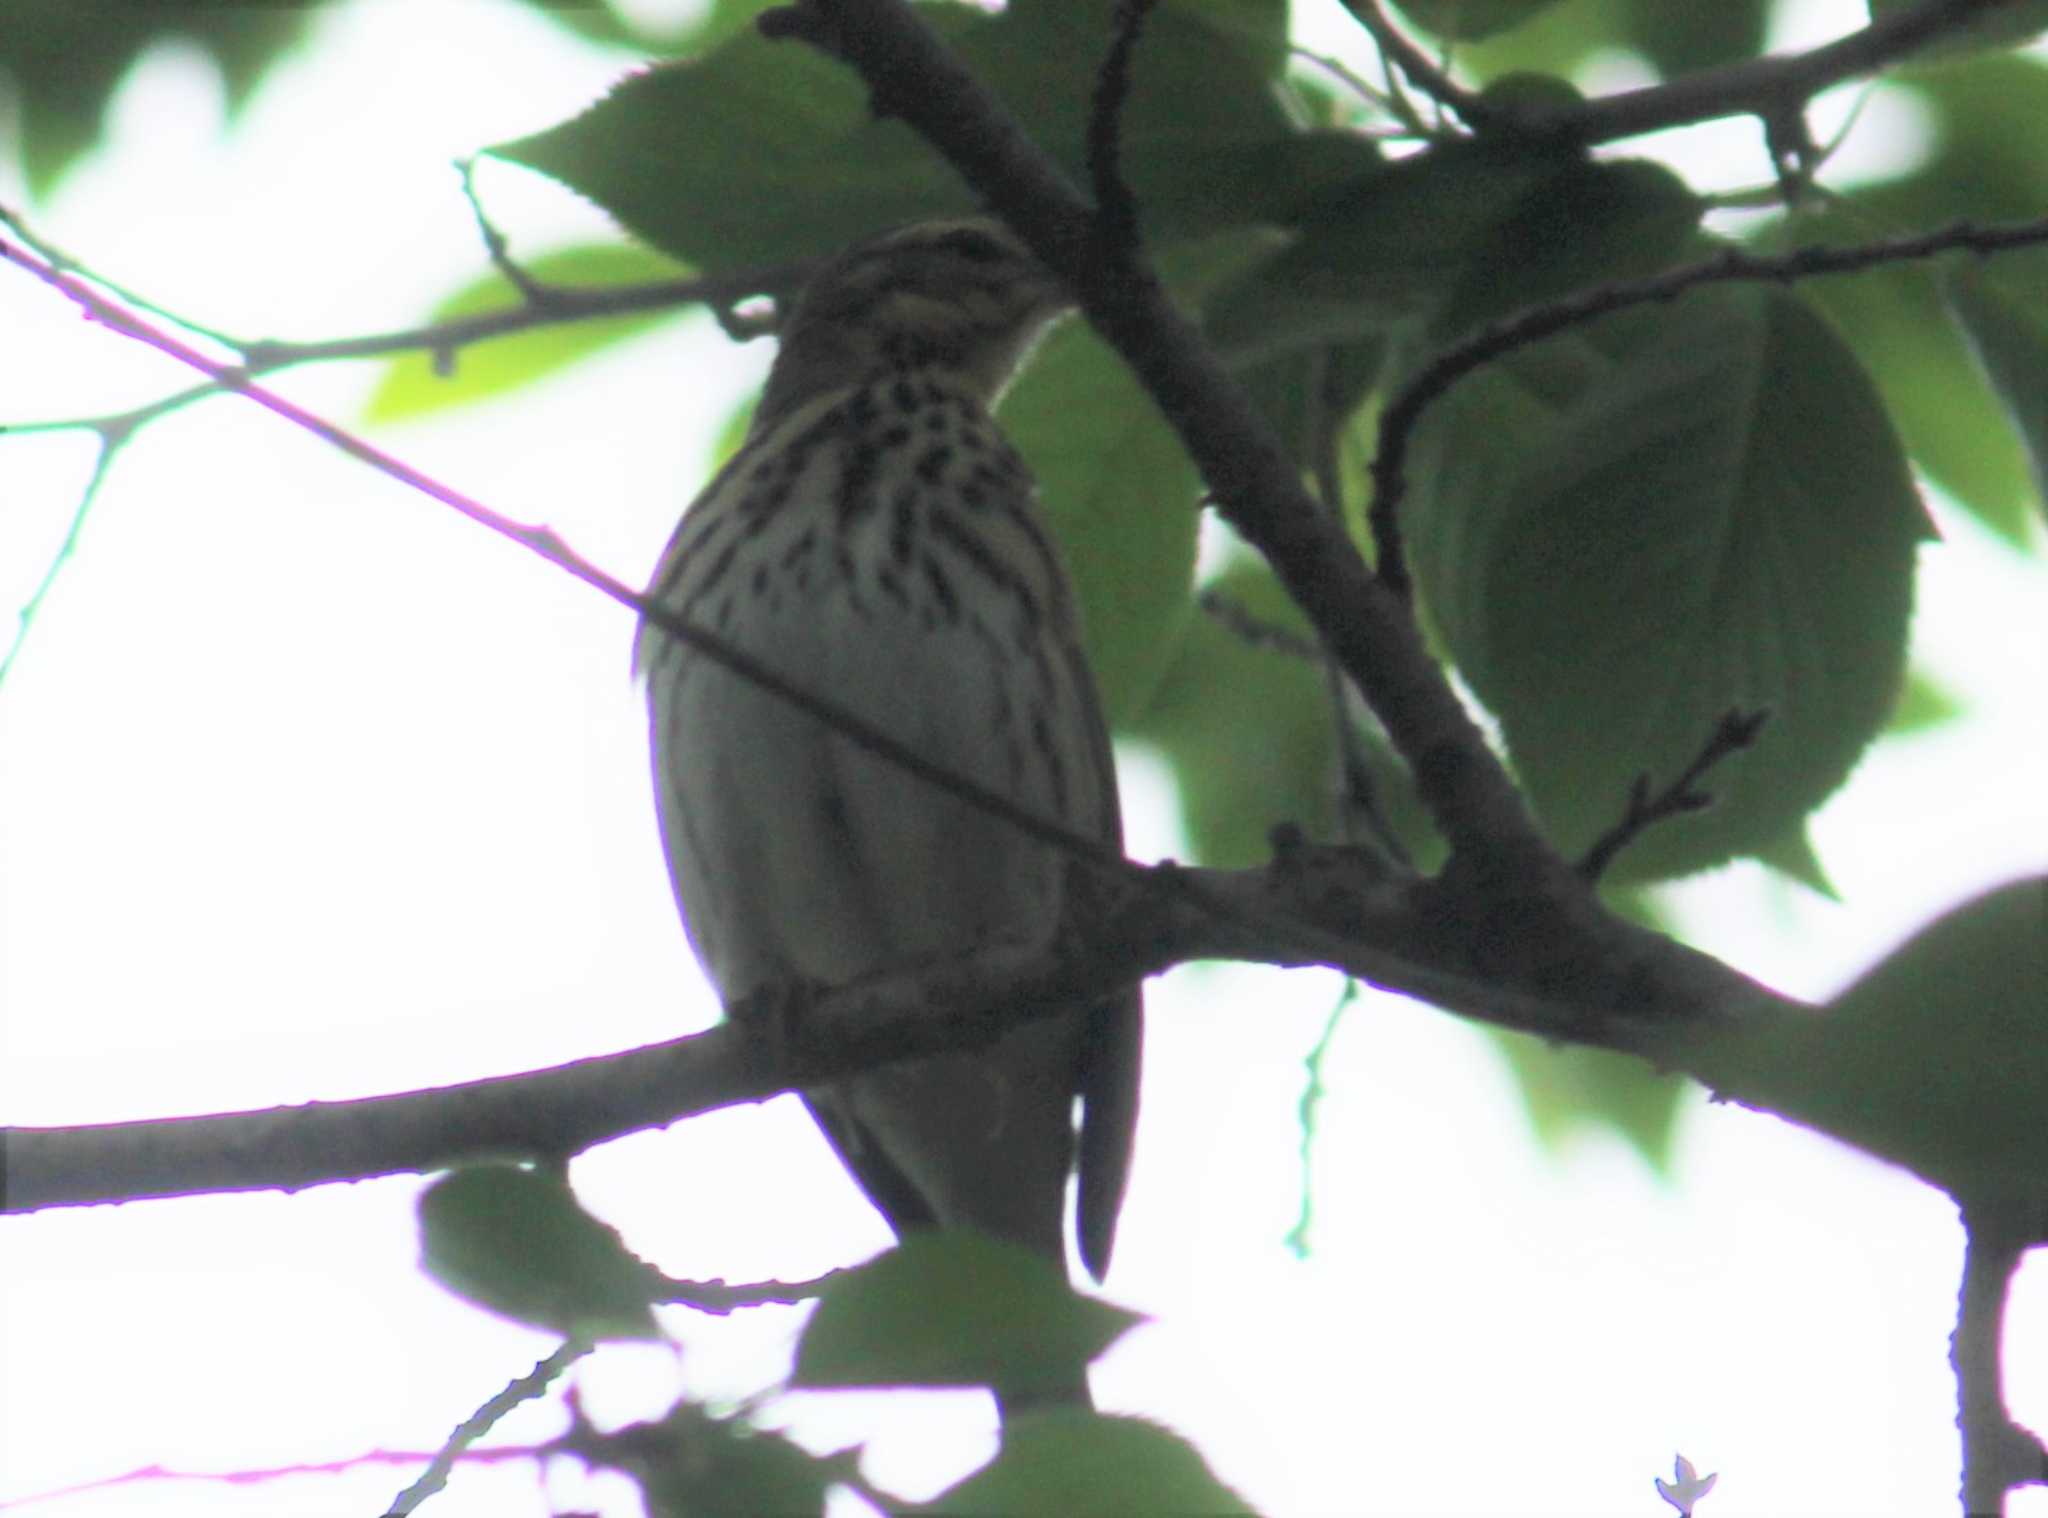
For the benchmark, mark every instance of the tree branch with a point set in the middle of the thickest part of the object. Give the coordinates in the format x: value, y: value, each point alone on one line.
x: 911, y: 75
x: 1339, y: 908
x: 1402, y: 415
x: 1775, y: 89
x: 1998, y: 1454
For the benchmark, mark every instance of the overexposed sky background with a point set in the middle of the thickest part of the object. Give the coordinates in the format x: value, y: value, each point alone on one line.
x: 310, y: 789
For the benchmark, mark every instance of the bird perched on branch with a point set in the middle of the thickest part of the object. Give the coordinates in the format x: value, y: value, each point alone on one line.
x: 877, y: 542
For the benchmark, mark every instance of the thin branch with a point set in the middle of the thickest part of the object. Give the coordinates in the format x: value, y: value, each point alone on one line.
x: 524, y: 1389
x: 1255, y: 631
x: 1736, y: 731
x: 1403, y: 412
x: 543, y: 542
x: 1115, y: 208
x: 1421, y: 71
x: 496, y: 248
x: 1774, y: 89
x: 114, y: 434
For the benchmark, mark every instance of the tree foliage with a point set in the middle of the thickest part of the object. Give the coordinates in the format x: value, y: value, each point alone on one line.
x: 1637, y: 462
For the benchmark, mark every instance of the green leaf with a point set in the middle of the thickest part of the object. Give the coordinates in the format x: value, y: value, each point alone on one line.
x: 1386, y: 249
x: 2000, y: 27
x: 1246, y: 728
x: 1124, y: 501
x: 955, y: 1308
x: 1673, y: 39
x: 60, y: 63
x: 410, y: 388
x: 1626, y: 531
x: 1923, y: 704
x: 1935, y: 1060
x: 1794, y: 856
x: 761, y: 151
x: 2007, y: 326
x: 1590, y: 224
x: 1082, y: 1465
x: 689, y: 1464
x: 516, y: 1241
x: 1984, y: 166
x: 1124, y: 498
x: 1568, y: 1090
x: 1469, y: 20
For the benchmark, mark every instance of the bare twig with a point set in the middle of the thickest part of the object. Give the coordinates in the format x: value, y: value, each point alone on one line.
x: 1404, y: 410
x: 524, y: 1389
x: 1736, y: 731
x: 496, y: 248
x: 1420, y: 70
x: 1247, y: 625
x: 1116, y: 211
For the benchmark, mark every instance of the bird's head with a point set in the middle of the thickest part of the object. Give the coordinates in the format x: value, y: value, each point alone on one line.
x: 962, y: 295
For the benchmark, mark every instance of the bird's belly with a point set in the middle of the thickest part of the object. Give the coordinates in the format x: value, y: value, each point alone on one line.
x: 798, y: 854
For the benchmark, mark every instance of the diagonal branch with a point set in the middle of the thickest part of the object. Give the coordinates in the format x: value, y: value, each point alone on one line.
x: 911, y: 75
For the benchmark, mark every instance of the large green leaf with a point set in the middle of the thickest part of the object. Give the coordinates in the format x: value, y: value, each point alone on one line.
x: 1936, y: 1060
x: 1125, y: 502
x: 1590, y: 224
x: 1384, y: 247
x: 955, y: 1308
x: 413, y: 386
x: 1626, y: 531
x: 1469, y: 20
x: 2005, y: 318
x: 689, y: 1464
x: 1245, y: 727
x: 1997, y: 27
x: 1563, y: 39
x: 764, y: 151
x: 1083, y: 1466
x: 1124, y: 497
x: 1984, y: 165
x: 516, y: 1240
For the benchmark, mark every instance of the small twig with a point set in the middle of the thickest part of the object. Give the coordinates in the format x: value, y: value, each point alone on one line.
x: 1254, y: 630
x: 496, y: 248
x: 1357, y: 790
x: 63, y: 262
x: 1404, y: 410
x: 113, y: 434
x: 533, y: 1384
x: 1387, y: 102
x: 1116, y: 210
x: 1420, y: 70
x: 1736, y: 731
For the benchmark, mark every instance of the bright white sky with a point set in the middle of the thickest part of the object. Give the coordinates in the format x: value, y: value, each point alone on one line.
x: 309, y: 789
